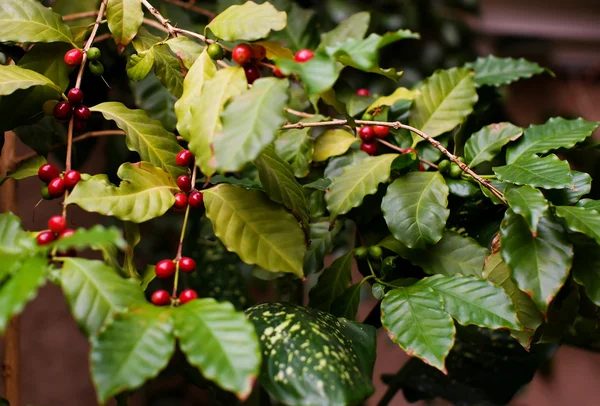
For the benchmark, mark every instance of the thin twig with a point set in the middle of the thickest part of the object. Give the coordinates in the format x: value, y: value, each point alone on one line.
x: 164, y: 21
x: 102, y: 37
x: 397, y: 148
x: 155, y: 24
x: 192, y: 7
x: 79, y: 16
x: 298, y: 113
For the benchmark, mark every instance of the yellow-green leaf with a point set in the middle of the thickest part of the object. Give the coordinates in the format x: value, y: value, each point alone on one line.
x: 13, y: 78
x: 332, y: 143
x: 247, y: 22
x: 401, y: 93
x: 125, y: 18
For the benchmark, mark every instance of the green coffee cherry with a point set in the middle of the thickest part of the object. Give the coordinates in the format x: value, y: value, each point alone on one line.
x: 375, y: 252
x: 461, y: 159
x: 444, y: 166
x: 455, y: 171
x: 96, y: 68
x: 360, y: 252
x: 48, y: 107
x: 367, y: 117
x: 94, y: 54
x: 215, y: 51
x: 45, y: 193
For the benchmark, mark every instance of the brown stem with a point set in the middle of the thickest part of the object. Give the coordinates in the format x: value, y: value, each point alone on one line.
x: 155, y: 24
x: 164, y: 21
x: 397, y: 148
x: 102, y: 37
x: 298, y: 113
x: 78, y: 16
x: 191, y: 6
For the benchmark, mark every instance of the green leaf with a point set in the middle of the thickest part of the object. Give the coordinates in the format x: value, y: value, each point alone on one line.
x: 13, y: 78
x: 133, y: 237
x: 350, y: 188
x: 581, y: 220
x: 247, y: 22
x: 26, y: 169
x: 415, y: 319
x: 133, y: 348
x: 555, y: 133
x: 48, y: 60
x: 582, y: 185
x: 145, y: 136
x: 150, y: 95
x: 205, y: 105
x: 540, y: 265
x: 321, y: 184
x: 461, y: 188
x: 548, y: 172
x: 296, y: 148
x: 318, y: 74
x: 145, y: 193
x: 221, y: 342
x: 494, y: 71
x: 22, y: 287
x: 186, y: 49
x: 414, y: 208
x: 336, y: 278
x: 259, y: 231
x: 355, y: 26
x: 332, y: 143
x: 321, y: 244
x: 277, y: 178
x: 125, y: 18
x: 139, y: 65
x: 484, y: 145
x: 586, y: 268
x: 168, y: 70
x: 335, y: 167
x: 590, y: 204
x: 301, y: 347
x: 29, y: 21
x: 301, y: 29
x: 400, y: 93
x: 95, y: 237
x: 528, y: 203
x: 475, y: 301
x: 13, y: 240
x: 250, y: 123
x: 346, y: 304
x: 275, y: 50
x: 444, y: 100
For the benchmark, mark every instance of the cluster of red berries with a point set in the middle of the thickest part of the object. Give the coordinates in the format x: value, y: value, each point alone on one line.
x: 247, y: 56
x: 56, y: 183
x: 195, y: 199
x: 74, y: 58
x: 165, y: 269
x: 369, y: 134
x: 57, y: 229
x: 64, y: 110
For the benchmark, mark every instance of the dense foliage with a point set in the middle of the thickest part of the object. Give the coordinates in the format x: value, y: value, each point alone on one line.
x: 475, y: 237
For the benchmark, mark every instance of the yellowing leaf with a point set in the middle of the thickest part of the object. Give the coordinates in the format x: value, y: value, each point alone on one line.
x: 332, y: 143
x: 401, y: 93
x: 276, y: 50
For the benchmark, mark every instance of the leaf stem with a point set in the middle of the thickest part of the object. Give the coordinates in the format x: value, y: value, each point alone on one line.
x: 373, y: 276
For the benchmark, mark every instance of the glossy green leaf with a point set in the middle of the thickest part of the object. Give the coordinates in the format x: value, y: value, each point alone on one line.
x: 581, y: 220
x: 221, y: 342
x: 186, y: 49
x: 301, y: 29
x: 13, y: 78
x: 555, y: 133
x: 590, y: 204
x: 322, y: 235
x: 332, y: 143
x: 528, y: 203
x: 133, y: 348
x: 346, y: 305
x: 26, y: 169
x: 582, y: 185
x: 302, y: 346
x: 548, y: 172
x: 296, y: 148
x: 485, y: 144
x: 355, y: 26
x: 150, y: 95
x: 444, y: 100
x: 145, y: 136
x: 540, y: 265
x: 336, y: 278
x: 125, y: 18
x: 586, y: 268
x: 30, y: 21
x: 13, y: 240
x: 48, y: 60
x: 139, y: 65
x: 335, y: 167
x: 260, y: 231
x: 461, y: 188
x: 250, y: 123
x: 247, y: 22
x: 415, y: 319
x: 350, y: 188
x: 321, y: 184
x: 145, y: 193
x: 94, y: 238
x: 400, y: 93
x: 494, y: 71
x: 318, y: 74
x: 414, y: 208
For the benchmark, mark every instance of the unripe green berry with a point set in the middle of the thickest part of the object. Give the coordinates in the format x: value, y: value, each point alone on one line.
x: 215, y: 51
x: 45, y: 193
x: 375, y: 252
x: 367, y: 117
x: 444, y: 166
x: 360, y: 252
x: 455, y: 171
x: 94, y: 54
x: 96, y: 68
x: 461, y: 159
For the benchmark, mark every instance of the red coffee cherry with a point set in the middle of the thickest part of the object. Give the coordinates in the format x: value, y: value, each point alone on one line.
x: 184, y: 158
x: 63, y: 111
x: 196, y: 200
x: 366, y: 133
x: 67, y: 233
x: 47, y: 172
x: 381, y: 131
x: 304, y: 55
x: 78, y: 125
x: 421, y: 168
x: 57, y: 224
x: 369, y: 147
x: 82, y: 112
x: 187, y: 296
x: 363, y: 92
x: 45, y: 237
x: 408, y: 150
x: 252, y: 73
x: 187, y: 264
x: 278, y: 73
x: 185, y: 183
x: 164, y: 269
x: 181, y: 201
x: 75, y: 96
x: 73, y: 57
x: 56, y: 187
x: 160, y: 298
x: 258, y: 52
x: 241, y: 54
x: 71, y: 179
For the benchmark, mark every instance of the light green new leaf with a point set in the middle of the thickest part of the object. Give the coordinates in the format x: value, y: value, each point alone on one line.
x: 95, y: 237
x: 133, y: 348
x: 95, y: 292
x: 334, y: 280
x: 581, y: 220
x: 548, y: 172
x: 527, y: 202
x: 209, y: 91
x: 250, y: 123
x: 318, y: 74
x: 555, y: 133
x: 494, y: 71
x: 296, y: 148
x: 400, y: 93
x: 145, y: 136
x: 540, y: 265
x: 29, y: 21
x: 415, y: 319
x: 260, y: 231
x: 485, y: 144
x: 275, y: 50
x: 475, y: 301
x: 145, y: 193
x: 582, y: 185
x: 247, y: 22
x: 13, y: 240
x: 586, y: 268
x: 139, y: 65
x: 414, y: 208
x: 221, y: 342
x: 348, y: 190
x: 125, y: 18
x: 321, y: 244
x: 13, y: 78
x: 355, y: 26
x: 26, y: 169
x: 444, y: 100
x: 186, y: 49
x: 332, y: 143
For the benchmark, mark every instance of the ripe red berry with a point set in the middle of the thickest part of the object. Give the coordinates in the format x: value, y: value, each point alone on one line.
x: 165, y: 269
x: 75, y: 96
x: 304, y: 55
x: 381, y: 131
x: 242, y: 54
x: 57, y: 224
x: 187, y: 264
x: 67, y: 233
x: 278, y: 73
x: 181, y: 201
x: 184, y: 158
x: 408, y: 150
x: 366, y: 133
x: 63, y: 111
x: 73, y: 57
x: 363, y: 92
x: 47, y: 172
x: 160, y: 298
x: 185, y: 183
x: 196, y: 200
x: 82, y: 112
x: 45, y: 237
x: 71, y: 179
x: 187, y: 296
x: 78, y: 125
x: 252, y: 73
x: 421, y: 168
x: 258, y: 52
x: 369, y: 147
x: 56, y: 187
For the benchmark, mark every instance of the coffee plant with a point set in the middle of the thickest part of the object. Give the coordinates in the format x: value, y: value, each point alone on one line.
x: 474, y: 237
